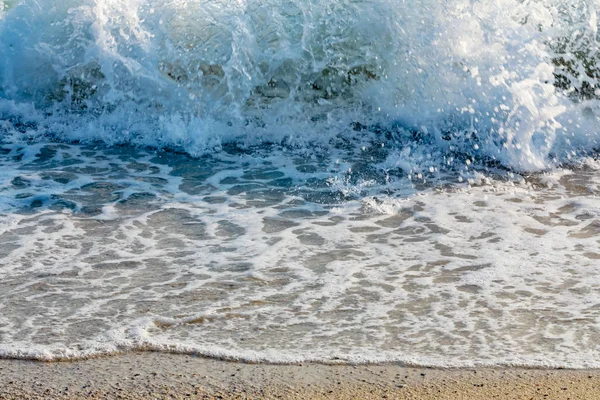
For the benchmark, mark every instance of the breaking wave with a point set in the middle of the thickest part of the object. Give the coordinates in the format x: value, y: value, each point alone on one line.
x: 509, y: 81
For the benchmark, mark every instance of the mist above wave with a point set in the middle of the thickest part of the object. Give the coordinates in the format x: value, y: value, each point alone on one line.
x: 511, y: 81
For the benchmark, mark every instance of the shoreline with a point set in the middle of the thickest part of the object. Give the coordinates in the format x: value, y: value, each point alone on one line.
x: 143, y: 375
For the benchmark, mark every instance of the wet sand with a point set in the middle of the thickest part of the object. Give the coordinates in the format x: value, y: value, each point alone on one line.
x: 157, y: 376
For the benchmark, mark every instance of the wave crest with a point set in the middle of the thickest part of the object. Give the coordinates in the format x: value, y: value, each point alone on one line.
x: 521, y: 76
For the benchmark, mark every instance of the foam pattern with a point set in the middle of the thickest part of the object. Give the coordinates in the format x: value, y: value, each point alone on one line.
x: 285, y: 257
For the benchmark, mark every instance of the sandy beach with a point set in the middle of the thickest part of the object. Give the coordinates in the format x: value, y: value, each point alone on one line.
x: 157, y: 376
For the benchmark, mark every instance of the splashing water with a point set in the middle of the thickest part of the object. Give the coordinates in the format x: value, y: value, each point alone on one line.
x: 507, y: 80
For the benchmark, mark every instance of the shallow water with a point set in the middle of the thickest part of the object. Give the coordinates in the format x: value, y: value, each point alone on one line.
x: 275, y: 256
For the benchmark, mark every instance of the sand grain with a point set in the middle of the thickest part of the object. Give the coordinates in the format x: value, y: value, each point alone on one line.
x: 158, y: 376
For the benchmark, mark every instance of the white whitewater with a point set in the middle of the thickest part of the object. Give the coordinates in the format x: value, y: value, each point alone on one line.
x: 196, y: 74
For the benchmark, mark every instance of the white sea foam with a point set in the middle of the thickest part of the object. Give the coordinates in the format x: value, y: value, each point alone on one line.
x: 282, y: 258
